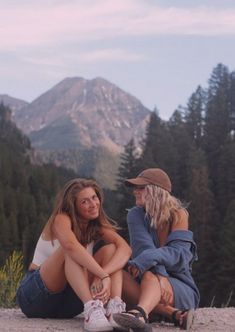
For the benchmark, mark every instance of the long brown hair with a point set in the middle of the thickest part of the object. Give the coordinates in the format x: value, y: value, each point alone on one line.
x: 66, y: 204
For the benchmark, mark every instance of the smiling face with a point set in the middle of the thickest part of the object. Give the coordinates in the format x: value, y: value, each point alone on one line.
x: 88, y: 205
x: 140, y: 194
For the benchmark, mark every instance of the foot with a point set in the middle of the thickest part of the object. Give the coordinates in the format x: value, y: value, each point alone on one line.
x: 94, y: 317
x: 115, y: 306
x: 183, y: 319
x: 135, y: 319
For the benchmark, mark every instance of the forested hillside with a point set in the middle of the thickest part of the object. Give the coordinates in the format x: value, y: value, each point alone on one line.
x: 197, y: 148
x: 26, y: 191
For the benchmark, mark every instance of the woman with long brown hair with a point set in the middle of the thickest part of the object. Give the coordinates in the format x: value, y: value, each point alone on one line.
x: 70, y: 271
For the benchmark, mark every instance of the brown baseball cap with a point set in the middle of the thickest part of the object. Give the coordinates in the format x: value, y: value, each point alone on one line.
x: 155, y: 176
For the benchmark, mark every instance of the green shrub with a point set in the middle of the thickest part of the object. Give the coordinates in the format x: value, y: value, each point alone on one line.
x: 10, y: 276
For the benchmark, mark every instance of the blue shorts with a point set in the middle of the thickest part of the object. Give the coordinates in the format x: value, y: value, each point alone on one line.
x: 35, y: 300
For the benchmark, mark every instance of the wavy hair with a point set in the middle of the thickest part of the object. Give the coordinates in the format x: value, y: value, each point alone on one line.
x: 161, y: 206
x: 66, y: 204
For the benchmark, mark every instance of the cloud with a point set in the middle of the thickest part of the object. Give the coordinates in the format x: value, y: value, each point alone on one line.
x: 61, y: 62
x: 111, y: 55
x: 43, y: 23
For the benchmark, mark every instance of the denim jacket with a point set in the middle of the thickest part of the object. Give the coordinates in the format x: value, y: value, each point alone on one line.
x: 174, y: 259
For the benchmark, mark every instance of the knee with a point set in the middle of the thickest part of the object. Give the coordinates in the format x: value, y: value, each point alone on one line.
x: 105, y: 253
x: 149, y: 276
x: 108, y: 250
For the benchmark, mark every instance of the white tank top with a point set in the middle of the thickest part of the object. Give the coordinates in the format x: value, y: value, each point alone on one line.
x: 44, y: 249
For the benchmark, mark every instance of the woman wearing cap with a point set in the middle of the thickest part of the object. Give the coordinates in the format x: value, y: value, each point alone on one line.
x: 163, y: 250
x: 67, y: 275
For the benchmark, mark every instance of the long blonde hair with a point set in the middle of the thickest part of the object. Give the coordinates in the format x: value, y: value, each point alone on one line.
x: 161, y: 206
x: 66, y: 203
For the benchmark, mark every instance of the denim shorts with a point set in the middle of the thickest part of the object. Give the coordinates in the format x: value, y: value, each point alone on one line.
x: 35, y: 300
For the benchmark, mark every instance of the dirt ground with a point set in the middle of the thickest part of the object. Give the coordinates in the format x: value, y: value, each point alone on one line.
x: 205, y: 320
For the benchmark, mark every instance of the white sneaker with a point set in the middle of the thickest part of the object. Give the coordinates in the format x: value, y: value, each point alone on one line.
x: 94, y: 317
x: 115, y: 306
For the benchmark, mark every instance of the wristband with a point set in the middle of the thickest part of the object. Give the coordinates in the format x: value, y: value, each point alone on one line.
x: 108, y: 276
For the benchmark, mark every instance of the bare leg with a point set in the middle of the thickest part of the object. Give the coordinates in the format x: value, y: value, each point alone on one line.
x: 150, y: 292
x: 130, y: 290
x: 59, y: 269
x: 52, y: 271
x: 103, y: 256
x: 131, y: 295
x: 78, y: 279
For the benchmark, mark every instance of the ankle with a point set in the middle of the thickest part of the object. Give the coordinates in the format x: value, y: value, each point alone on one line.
x: 143, y: 307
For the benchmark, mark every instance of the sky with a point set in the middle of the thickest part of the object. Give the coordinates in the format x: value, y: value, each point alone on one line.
x: 158, y: 51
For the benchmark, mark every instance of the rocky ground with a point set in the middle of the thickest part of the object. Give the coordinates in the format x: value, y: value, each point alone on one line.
x: 206, y: 320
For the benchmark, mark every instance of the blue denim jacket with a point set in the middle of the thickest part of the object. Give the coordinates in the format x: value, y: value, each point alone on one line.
x: 174, y: 259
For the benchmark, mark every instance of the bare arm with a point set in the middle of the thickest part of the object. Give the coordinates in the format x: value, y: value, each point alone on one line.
x: 182, y: 223
x: 122, y: 253
x: 72, y: 247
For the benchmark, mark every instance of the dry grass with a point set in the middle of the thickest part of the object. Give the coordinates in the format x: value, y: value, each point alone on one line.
x: 10, y: 276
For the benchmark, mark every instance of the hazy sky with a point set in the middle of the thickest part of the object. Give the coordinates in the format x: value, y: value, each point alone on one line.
x: 159, y: 51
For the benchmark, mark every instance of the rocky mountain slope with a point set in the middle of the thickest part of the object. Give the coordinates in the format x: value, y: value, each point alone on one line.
x: 79, y: 112
x: 14, y: 103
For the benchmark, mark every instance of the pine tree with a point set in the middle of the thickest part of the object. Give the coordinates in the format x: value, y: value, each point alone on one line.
x: 125, y: 200
x: 194, y: 116
x: 226, y: 176
x: 179, y: 150
x: 204, y: 223
x: 217, y: 118
x: 226, y: 266
x: 157, y: 145
x: 232, y: 106
x: 26, y: 191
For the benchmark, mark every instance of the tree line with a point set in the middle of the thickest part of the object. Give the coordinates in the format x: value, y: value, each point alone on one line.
x: 196, y: 147
x: 27, y: 191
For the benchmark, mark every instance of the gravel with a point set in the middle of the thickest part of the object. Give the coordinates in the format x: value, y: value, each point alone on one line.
x: 205, y: 320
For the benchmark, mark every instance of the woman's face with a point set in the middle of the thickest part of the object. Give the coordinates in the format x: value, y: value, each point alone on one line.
x: 88, y: 204
x: 139, y: 193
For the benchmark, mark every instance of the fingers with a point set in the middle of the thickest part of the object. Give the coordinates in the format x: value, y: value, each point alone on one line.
x: 103, y: 296
x: 133, y: 271
x: 166, y: 291
x: 93, y: 290
x: 95, y: 287
x: 105, y: 291
x: 100, y: 290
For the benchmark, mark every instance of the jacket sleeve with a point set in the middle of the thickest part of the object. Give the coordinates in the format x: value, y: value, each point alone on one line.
x: 140, y: 238
x: 177, y: 255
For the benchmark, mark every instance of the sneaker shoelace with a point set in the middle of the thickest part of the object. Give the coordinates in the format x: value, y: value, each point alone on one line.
x: 116, y: 307
x: 96, y: 310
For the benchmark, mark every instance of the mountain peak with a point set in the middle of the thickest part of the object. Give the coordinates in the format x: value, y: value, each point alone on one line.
x: 85, y: 112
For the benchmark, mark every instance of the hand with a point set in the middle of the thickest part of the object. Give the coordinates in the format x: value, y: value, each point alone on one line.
x: 167, y: 295
x: 96, y: 286
x: 133, y: 270
x: 102, y: 290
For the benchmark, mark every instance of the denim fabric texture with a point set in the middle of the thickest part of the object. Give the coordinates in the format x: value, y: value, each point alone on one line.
x: 174, y: 260
x: 35, y: 300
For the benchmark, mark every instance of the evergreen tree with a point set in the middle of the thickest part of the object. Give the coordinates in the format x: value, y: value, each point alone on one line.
x: 204, y: 223
x: 194, y: 116
x: 179, y: 151
x: 125, y: 200
x: 232, y: 106
x: 157, y: 145
x: 225, y: 294
x: 226, y: 177
x: 217, y: 118
x: 26, y: 191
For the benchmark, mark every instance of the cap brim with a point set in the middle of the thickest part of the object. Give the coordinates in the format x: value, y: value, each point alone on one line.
x: 136, y: 182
